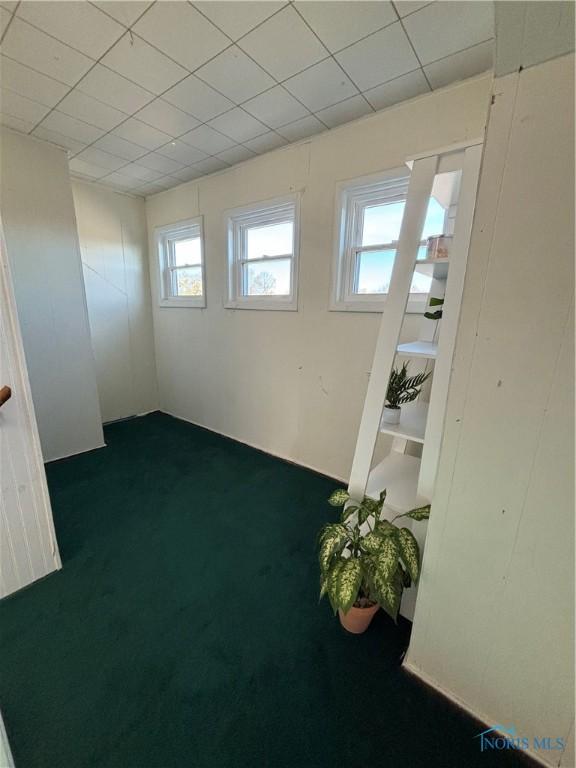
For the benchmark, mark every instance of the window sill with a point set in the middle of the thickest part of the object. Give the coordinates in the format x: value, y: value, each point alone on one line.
x: 265, y: 304
x: 173, y: 303
x: 414, y: 306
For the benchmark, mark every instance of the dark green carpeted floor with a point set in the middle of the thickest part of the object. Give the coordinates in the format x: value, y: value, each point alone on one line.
x: 185, y: 630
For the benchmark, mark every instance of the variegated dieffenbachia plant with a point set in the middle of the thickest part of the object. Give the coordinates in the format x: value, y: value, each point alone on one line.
x: 366, y: 560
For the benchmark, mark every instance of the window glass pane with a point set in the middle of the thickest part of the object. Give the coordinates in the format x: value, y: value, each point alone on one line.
x: 381, y: 223
x: 270, y: 240
x: 420, y: 283
x: 267, y: 278
x: 188, y: 281
x: 434, y: 222
x: 374, y: 271
x: 187, y: 252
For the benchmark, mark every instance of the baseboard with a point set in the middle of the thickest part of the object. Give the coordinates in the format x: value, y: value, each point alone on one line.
x: 281, y: 456
x: 532, y: 758
x: 77, y: 453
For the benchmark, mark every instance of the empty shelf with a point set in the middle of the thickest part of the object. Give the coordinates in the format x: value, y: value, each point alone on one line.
x: 398, y: 473
x: 418, y: 349
x: 412, y: 424
x: 437, y: 268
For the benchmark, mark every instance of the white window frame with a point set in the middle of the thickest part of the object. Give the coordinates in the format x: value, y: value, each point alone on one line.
x: 238, y: 221
x: 164, y: 239
x: 351, y: 198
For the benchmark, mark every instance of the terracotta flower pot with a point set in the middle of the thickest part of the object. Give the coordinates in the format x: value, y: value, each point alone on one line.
x: 357, y: 620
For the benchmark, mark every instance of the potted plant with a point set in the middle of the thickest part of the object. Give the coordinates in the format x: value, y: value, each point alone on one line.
x: 366, y: 562
x: 401, y: 389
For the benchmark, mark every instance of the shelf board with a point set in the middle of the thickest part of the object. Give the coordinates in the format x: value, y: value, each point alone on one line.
x: 427, y: 349
x: 412, y: 424
x: 398, y: 473
x: 436, y: 268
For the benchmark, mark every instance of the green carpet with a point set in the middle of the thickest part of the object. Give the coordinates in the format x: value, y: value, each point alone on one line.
x: 185, y: 630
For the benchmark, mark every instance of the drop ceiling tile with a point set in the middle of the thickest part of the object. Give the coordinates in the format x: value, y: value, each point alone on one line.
x: 137, y: 171
x: 65, y: 142
x: 90, y: 110
x: 100, y: 158
x: 321, y: 86
x: 187, y: 174
x: 283, y: 45
x: 78, y: 24
x: 266, y: 142
x: 159, y: 163
x: 444, y: 28
x: 152, y: 188
x: 301, y: 129
x: 27, y: 82
x: 9, y: 5
x: 343, y: 25
x: 235, y: 155
x: 120, y: 147
x: 29, y: 46
x: 14, y: 104
x: 464, y: 64
x: 235, y: 75
x: 182, y: 153
x: 5, y: 19
x: 207, y: 139
x: 113, y: 89
x: 166, y: 117
x: 70, y: 126
x: 404, y: 7
x: 238, y: 125
x: 87, y: 169
x: 118, y: 179
x: 347, y: 110
x: 182, y: 32
x: 124, y: 11
x: 133, y: 58
x: 402, y: 88
x: 236, y: 19
x: 24, y: 126
x: 379, y: 57
x: 275, y: 107
x: 137, y: 132
x: 197, y: 99
x: 210, y: 165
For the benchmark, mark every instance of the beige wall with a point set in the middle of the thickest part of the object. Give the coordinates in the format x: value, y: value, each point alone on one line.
x: 42, y: 243
x: 292, y: 383
x: 113, y: 242
x: 494, y: 624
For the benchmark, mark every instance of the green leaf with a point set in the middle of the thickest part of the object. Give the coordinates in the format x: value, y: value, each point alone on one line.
x: 420, y: 513
x: 386, y: 561
x: 346, y: 512
x: 365, y: 513
x: 372, y: 543
x: 338, y: 497
x: 385, y: 528
x: 434, y: 302
x: 348, y: 584
x: 433, y: 315
x: 332, y: 583
x: 409, y: 552
x: 332, y: 540
x: 390, y: 595
x: 383, y: 496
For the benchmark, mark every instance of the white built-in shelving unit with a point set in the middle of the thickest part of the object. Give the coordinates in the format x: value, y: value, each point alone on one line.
x: 408, y: 469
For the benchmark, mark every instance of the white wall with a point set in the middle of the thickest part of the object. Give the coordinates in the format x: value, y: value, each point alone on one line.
x: 494, y: 624
x: 113, y: 243
x: 292, y: 383
x: 42, y: 244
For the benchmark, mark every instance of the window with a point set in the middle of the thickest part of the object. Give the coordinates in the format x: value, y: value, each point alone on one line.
x: 263, y: 255
x: 369, y: 218
x: 181, y: 264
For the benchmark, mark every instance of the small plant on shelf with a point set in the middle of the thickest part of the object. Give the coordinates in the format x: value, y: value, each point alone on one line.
x: 437, y: 315
x: 366, y: 562
x: 402, y: 389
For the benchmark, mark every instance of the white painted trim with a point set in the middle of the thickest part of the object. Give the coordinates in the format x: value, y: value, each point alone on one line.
x: 281, y: 456
x: 5, y: 751
x: 447, y: 149
x: 161, y: 235
x: 235, y: 299
x: 482, y: 717
x: 77, y: 453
